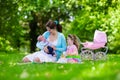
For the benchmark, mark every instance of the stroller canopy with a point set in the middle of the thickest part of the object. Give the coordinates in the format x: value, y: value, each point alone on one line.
x: 99, y: 40
x: 100, y: 37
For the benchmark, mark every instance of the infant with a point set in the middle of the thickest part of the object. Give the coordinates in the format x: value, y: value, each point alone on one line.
x: 44, y: 42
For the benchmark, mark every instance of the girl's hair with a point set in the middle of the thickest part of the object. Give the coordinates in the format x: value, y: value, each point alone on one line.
x: 54, y: 24
x: 75, y: 40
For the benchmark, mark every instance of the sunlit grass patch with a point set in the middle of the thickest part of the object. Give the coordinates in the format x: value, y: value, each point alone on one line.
x: 12, y: 69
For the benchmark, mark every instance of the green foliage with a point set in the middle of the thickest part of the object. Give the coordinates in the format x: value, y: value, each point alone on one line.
x: 80, y: 17
x: 101, y: 15
x: 113, y: 29
x: 10, y: 28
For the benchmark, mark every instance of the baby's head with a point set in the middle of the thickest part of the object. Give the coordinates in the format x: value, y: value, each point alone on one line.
x: 41, y: 38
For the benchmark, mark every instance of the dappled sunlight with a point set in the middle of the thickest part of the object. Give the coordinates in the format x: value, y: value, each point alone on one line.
x: 88, y: 70
x: 64, y: 70
x: 12, y: 64
x: 96, y: 71
x: 118, y: 76
x: 37, y: 74
x: 3, y: 55
x: 24, y: 74
x: 26, y: 53
x: 93, y: 68
x: 1, y: 62
x: 102, y: 69
x: 47, y: 75
x: 61, y: 67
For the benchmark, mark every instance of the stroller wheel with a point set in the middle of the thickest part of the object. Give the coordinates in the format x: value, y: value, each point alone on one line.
x: 100, y: 56
x: 87, y: 55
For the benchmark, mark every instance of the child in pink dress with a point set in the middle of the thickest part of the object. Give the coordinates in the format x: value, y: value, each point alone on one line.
x: 71, y: 54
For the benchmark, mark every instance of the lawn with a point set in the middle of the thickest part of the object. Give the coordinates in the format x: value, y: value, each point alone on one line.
x: 11, y: 69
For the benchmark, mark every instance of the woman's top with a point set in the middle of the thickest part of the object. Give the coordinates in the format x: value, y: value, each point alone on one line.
x: 61, y: 43
x: 52, y: 43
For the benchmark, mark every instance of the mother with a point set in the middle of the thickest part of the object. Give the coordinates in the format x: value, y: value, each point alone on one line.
x: 55, y: 37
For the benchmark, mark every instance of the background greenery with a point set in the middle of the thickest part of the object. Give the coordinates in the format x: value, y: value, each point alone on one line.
x: 80, y: 17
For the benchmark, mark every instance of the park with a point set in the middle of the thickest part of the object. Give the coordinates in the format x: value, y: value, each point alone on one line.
x: 22, y: 21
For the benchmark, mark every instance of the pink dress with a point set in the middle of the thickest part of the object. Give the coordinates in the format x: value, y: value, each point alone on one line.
x: 73, y: 54
x: 72, y: 49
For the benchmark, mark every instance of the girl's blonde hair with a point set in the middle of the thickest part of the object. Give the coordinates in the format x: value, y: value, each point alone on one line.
x: 75, y: 40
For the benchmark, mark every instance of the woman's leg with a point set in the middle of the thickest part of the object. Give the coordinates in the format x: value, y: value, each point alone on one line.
x: 36, y: 60
x: 30, y: 57
x: 25, y: 59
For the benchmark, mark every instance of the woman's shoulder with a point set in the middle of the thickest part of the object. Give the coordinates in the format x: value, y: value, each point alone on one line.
x: 46, y: 34
x: 60, y: 34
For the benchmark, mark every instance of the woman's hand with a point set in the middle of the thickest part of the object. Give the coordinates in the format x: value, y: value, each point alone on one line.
x: 38, y: 38
x: 46, y: 49
x: 53, y: 47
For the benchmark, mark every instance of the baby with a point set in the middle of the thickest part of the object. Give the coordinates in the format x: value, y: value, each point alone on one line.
x: 44, y: 42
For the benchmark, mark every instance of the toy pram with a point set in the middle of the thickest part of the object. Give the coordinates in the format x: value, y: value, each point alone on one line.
x: 97, y: 49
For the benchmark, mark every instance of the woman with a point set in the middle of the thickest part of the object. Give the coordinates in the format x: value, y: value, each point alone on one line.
x: 56, y: 38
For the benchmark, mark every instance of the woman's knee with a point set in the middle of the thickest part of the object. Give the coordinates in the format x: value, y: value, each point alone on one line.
x: 36, y: 59
x: 25, y: 59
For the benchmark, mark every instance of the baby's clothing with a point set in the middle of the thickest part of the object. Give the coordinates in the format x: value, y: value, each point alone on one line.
x: 48, y: 44
x: 44, y: 57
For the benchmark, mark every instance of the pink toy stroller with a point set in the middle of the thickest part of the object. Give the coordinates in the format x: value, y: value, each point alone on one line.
x: 95, y: 50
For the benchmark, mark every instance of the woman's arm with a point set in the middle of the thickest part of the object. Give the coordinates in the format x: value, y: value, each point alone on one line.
x: 40, y: 45
x: 62, y: 43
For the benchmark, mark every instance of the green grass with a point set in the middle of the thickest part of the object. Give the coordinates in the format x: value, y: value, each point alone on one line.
x: 88, y: 70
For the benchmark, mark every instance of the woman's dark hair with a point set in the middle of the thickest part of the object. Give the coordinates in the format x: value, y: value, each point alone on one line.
x: 75, y: 40
x: 54, y: 24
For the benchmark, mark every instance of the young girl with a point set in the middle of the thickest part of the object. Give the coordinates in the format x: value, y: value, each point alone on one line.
x: 71, y: 54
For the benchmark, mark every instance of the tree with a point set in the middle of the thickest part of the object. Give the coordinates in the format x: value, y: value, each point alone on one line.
x: 80, y: 17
